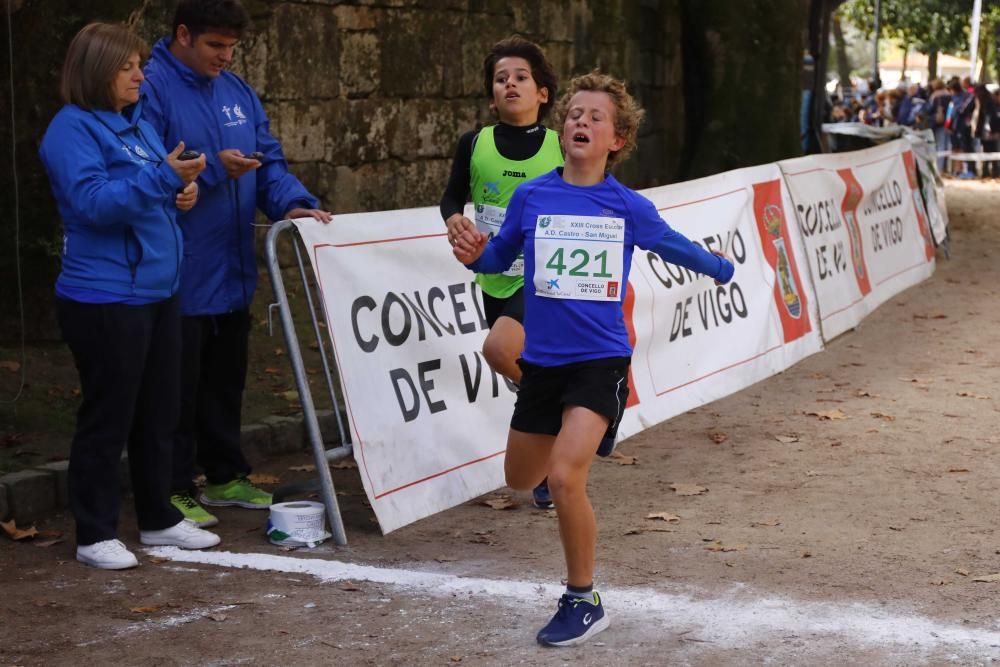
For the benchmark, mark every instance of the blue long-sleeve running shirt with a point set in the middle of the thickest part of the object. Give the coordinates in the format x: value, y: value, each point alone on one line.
x: 578, y: 244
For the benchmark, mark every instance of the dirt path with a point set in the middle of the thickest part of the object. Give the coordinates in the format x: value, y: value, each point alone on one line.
x: 851, y: 540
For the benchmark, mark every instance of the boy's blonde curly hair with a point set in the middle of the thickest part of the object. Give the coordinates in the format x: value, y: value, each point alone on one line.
x: 628, y: 113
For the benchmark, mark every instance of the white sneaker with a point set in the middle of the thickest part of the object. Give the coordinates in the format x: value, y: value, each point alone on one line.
x: 107, y: 555
x: 185, y: 535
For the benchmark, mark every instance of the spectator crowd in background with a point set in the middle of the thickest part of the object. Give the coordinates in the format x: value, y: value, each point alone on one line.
x: 964, y: 116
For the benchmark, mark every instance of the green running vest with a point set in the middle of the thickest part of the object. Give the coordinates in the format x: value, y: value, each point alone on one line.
x: 493, y: 181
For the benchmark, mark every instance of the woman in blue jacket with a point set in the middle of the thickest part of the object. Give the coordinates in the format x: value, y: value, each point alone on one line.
x: 118, y: 191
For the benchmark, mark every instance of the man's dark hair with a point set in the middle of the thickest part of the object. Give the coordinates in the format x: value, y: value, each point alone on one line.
x: 201, y: 16
x: 516, y: 46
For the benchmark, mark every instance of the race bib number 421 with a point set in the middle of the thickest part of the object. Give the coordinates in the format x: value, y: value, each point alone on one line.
x: 579, y: 257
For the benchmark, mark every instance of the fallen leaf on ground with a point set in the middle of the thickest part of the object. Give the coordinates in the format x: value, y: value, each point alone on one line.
x: 962, y: 571
x: 766, y: 522
x: 303, y: 468
x: 883, y: 416
x: 271, y: 371
x: 344, y: 464
x: 787, y: 439
x: 15, y: 533
x: 47, y: 543
x: 500, y: 503
x: 967, y: 394
x: 664, y: 516
x: 826, y: 415
x: 291, y: 395
x: 718, y: 438
x: 988, y: 578
x: 719, y: 546
x: 263, y: 478
x: 935, y: 316
x: 648, y: 529
x: 812, y: 473
x: 958, y: 470
x: 866, y: 394
x: 917, y: 380
x: 623, y: 459
x: 349, y: 586
x: 151, y: 609
x: 688, y: 489
x: 12, y: 366
x: 156, y: 560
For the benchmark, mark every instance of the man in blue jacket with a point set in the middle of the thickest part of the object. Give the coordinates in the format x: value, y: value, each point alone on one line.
x: 190, y: 94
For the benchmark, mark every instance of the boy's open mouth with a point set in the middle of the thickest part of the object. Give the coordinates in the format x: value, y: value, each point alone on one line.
x: 580, y: 138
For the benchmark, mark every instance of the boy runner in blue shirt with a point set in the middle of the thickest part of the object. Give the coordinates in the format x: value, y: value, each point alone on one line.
x: 577, y: 227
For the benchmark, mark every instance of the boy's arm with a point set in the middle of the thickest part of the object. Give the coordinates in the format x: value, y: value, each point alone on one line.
x: 676, y: 248
x: 456, y: 193
x: 653, y: 233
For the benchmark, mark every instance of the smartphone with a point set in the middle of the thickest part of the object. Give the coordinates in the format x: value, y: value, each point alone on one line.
x: 189, y: 155
x: 256, y: 155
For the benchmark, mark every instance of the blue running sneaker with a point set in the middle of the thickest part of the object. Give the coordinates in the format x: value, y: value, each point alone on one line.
x: 540, y: 496
x: 607, y: 447
x: 576, y: 621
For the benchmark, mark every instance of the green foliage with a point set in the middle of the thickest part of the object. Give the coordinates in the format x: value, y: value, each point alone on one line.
x: 927, y: 25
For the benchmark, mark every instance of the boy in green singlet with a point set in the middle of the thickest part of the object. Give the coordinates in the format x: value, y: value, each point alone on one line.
x: 489, y: 164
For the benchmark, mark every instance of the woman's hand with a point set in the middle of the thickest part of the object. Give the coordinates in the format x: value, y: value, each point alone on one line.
x: 187, y: 170
x: 188, y: 197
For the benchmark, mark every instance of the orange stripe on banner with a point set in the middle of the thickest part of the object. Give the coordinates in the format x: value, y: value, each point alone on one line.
x: 698, y: 201
x: 393, y: 240
x: 716, y: 372
x: 443, y: 472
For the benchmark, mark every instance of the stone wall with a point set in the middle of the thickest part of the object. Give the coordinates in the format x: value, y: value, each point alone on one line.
x: 367, y: 97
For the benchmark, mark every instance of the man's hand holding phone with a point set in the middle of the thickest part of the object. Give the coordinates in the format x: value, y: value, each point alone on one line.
x: 236, y: 163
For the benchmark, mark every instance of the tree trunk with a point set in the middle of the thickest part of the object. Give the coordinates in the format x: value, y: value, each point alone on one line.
x: 906, y: 57
x: 843, y: 64
x: 932, y: 57
x: 742, y: 62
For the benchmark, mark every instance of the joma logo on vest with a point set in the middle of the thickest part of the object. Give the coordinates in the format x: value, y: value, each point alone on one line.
x: 515, y: 174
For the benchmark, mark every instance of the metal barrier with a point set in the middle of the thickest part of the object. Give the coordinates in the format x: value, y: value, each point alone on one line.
x: 323, y: 457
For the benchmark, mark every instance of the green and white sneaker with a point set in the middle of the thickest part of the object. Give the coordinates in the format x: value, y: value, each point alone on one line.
x: 192, y: 511
x: 238, y: 493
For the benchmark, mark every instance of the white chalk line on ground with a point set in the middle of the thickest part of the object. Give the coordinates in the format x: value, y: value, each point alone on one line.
x: 727, y: 622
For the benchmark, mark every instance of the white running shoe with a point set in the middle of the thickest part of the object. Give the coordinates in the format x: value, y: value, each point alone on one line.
x: 107, y: 555
x: 185, y: 535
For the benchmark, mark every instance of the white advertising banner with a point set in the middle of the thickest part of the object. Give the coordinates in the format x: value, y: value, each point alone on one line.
x: 428, y: 417
x: 865, y: 230
x: 696, y: 341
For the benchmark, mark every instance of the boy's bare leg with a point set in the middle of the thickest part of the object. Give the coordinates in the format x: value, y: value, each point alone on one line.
x: 569, y: 466
x: 527, y: 459
x: 503, y: 347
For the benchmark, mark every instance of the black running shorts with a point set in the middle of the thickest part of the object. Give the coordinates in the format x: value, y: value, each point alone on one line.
x: 512, y: 306
x: 600, y: 385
